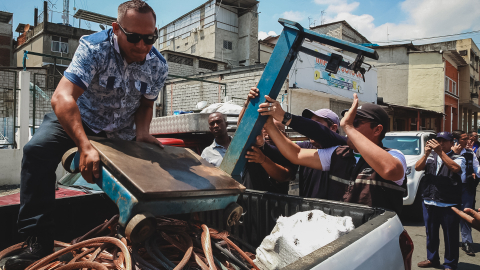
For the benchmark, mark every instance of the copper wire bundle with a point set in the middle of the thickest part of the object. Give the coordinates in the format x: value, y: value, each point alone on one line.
x: 176, y: 245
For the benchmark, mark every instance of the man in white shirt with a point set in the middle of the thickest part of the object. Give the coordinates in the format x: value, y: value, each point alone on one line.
x: 361, y: 172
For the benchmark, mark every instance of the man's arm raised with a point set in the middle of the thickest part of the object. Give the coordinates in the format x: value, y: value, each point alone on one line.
x: 291, y: 151
x: 387, y: 166
x: 64, y: 104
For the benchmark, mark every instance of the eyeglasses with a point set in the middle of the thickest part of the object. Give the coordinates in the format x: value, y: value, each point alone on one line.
x: 135, y: 38
x: 358, y: 121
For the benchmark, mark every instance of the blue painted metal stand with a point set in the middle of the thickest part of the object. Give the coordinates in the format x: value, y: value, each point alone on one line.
x: 128, y: 205
x: 273, y: 77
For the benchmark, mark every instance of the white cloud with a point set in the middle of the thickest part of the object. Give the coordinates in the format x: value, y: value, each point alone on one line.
x: 425, y: 18
x: 295, y: 16
x: 342, y: 8
x: 327, y: 2
x: 264, y: 35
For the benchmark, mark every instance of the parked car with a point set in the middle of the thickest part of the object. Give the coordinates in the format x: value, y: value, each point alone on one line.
x: 412, y: 145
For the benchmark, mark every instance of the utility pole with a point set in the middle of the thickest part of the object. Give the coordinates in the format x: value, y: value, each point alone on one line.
x: 322, y: 21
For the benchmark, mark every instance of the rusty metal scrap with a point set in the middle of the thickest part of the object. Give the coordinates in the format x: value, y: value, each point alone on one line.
x: 176, y: 245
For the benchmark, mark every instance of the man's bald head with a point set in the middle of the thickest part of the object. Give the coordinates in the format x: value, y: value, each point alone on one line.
x: 217, y: 123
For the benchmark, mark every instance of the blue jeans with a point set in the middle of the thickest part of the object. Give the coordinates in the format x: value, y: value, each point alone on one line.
x: 468, y: 198
x: 41, y: 156
x: 435, y: 216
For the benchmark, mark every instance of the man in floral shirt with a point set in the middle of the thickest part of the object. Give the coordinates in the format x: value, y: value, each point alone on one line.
x: 108, y: 90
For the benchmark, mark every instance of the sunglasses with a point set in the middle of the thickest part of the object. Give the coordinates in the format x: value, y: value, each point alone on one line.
x: 358, y: 121
x: 135, y: 38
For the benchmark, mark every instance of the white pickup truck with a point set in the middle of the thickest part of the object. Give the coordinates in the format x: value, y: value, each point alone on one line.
x: 377, y: 242
x: 412, y: 145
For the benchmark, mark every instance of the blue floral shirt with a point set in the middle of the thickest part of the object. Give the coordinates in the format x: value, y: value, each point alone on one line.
x: 113, y: 88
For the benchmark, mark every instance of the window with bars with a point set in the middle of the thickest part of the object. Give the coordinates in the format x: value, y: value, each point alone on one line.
x: 180, y: 60
x: 208, y: 65
x: 59, y: 44
x: 227, y: 44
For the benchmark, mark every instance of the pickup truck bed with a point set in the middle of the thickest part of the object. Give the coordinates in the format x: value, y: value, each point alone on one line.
x: 376, y: 233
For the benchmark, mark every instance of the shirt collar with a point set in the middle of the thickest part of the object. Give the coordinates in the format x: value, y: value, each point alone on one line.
x: 114, y: 42
x: 215, y: 144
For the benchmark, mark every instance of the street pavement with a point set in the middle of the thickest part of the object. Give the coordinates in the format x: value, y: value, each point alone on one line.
x: 416, y: 230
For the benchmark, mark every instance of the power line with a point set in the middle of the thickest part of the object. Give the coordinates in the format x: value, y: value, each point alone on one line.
x: 451, y: 35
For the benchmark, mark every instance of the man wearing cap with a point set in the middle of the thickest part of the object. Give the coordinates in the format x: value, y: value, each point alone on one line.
x: 314, y: 183
x: 360, y: 172
x: 442, y: 190
x: 322, y: 125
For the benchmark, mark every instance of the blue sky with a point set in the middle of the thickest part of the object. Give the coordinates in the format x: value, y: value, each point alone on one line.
x: 404, y: 19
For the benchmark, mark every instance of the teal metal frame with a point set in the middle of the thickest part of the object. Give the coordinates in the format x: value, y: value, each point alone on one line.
x: 273, y: 77
x: 129, y: 205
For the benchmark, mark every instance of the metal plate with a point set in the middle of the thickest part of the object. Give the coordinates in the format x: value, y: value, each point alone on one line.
x: 153, y: 173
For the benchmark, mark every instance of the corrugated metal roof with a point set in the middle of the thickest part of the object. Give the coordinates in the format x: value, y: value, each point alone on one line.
x: 5, y: 17
x: 94, y: 17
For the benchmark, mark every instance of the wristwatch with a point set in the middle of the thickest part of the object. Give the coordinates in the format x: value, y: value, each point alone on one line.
x: 287, y: 116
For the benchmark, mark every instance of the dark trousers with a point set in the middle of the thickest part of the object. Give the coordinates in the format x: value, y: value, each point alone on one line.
x: 41, y: 156
x: 468, y: 199
x: 435, y: 216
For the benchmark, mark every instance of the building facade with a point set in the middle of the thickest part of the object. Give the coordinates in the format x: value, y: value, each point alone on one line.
x: 6, y: 39
x: 225, y: 31
x: 341, y: 30
x: 439, y: 77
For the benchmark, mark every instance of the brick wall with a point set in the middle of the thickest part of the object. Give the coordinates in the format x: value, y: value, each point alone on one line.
x: 5, y: 57
x: 181, y: 69
x: 451, y: 71
x: 186, y: 94
x: 334, y: 30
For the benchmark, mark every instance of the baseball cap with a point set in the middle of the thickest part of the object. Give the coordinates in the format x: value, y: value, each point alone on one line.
x: 374, y: 112
x: 323, y: 113
x: 445, y: 135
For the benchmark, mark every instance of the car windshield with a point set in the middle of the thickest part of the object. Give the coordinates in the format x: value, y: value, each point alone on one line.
x: 408, y: 145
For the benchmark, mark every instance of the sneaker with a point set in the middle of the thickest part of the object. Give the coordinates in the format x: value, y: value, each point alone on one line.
x: 467, y: 247
x: 424, y: 264
x: 35, y: 249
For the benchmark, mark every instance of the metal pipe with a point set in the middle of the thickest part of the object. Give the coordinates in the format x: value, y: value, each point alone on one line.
x: 34, y: 99
x: 195, y: 79
x: 14, y: 110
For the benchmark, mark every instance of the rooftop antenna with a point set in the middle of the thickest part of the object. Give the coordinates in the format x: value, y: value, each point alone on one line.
x: 51, y: 13
x: 309, y: 23
x: 322, y: 21
x: 65, y: 16
x: 387, y: 35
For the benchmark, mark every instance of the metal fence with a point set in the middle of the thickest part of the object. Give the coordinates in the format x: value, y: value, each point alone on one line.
x: 8, y: 107
x: 42, y: 86
x: 41, y: 92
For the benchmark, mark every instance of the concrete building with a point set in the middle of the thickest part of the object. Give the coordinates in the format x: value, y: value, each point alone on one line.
x: 265, y: 48
x: 341, y: 30
x: 47, y: 38
x: 6, y: 38
x: 225, y: 31
x: 184, y: 64
x: 438, y: 79
x: 181, y: 94
x: 463, y: 79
